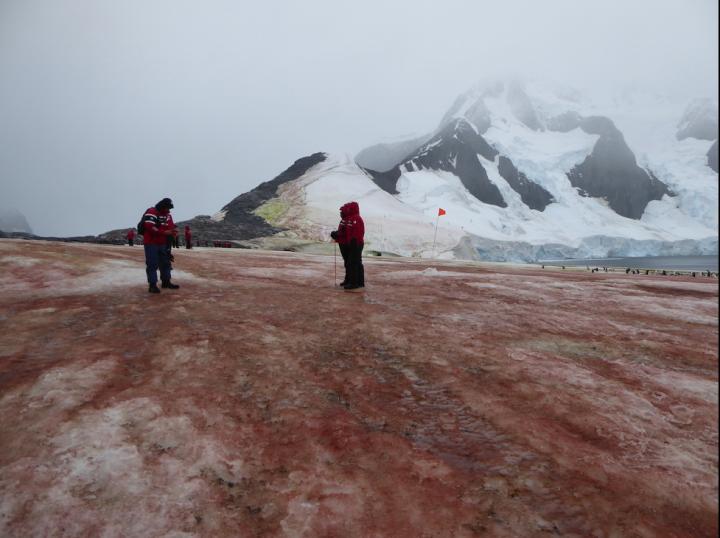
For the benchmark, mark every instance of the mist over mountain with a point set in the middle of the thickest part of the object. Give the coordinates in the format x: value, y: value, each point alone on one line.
x: 109, y: 109
x: 525, y: 170
x: 12, y: 221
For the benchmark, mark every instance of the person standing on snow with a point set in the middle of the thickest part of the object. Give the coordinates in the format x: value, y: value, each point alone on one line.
x: 339, y: 237
x: 351, y: 232
x: 158, y: 230
x: 131, y: 237
x: 188, y: 237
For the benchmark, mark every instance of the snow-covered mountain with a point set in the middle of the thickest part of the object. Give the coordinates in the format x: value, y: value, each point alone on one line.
x: 12, y: 221
x: 523, y: 171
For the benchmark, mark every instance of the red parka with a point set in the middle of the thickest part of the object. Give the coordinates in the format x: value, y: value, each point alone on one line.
x: 155, y: 223
x: 352, y: 227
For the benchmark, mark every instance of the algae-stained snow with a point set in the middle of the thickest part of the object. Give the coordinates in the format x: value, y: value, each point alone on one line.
x: 447, y: 400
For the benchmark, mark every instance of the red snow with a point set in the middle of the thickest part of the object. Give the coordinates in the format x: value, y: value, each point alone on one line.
x: 447, y: 400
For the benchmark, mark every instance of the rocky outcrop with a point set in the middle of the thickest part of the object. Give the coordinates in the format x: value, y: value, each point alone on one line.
x: 532, y: 194
x: 387, y: 181
x: 700, y: 121
x: 712, y: 156
x: 385, y: 156
x: 455, y: 149
x: 237, y: 219
x: 611, y: 172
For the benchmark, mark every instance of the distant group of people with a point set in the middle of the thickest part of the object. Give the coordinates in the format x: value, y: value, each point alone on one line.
x: 160, y: 235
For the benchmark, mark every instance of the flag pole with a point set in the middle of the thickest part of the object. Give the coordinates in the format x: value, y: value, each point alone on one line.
x: 437, y: 221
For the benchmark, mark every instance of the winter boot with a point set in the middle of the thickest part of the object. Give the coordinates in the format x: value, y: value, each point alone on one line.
x: 170, y: 285
x: 153, y: 289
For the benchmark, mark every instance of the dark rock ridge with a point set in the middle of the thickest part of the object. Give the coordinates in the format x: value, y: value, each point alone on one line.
x: 700, y: 121
x: 240, y: 222
x: 712, y: 156
x: 611, y: 172
x: 533, y: 195
x: 387, y: 181
x: 384, y: 157
x: 455, y: 149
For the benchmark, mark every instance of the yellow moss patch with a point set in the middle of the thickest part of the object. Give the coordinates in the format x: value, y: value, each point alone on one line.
x: 272, y: 211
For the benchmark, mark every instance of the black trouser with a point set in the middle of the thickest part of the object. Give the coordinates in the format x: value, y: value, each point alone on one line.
x: 355, y: 269
x: 344, y: 253
x: 130, y: 242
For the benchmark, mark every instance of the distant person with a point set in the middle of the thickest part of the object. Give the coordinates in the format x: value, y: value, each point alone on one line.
x: 188, y: 237
x: 339, y: 236
x: 351, y: 232
x: 131, y: 237
x: 158, y: 230
x: 172, y: 239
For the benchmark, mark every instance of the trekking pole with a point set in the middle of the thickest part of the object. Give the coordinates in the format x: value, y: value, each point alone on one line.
x: 335, y: 261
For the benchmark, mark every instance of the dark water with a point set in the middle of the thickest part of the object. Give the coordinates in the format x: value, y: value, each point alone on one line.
x: 673, y: 263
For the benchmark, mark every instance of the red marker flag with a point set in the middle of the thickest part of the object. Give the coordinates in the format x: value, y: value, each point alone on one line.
x: 441, y: 212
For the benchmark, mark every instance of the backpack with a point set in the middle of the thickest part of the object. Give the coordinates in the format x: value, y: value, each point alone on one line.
x: 141, y: 224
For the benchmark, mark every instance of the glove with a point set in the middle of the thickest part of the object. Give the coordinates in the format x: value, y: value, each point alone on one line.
x: 333, y: 234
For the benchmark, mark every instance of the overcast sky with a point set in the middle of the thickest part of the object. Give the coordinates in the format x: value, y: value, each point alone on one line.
x: 106, y: 106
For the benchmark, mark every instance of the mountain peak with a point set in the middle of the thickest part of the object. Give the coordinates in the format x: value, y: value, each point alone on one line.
x: 700, y: 120
x: 13, y: 221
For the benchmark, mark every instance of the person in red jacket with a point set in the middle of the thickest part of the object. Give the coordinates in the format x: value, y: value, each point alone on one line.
x: 188, y: 237
x: 351, y: 233
x: 339, y: 237
x: 158, y: 228
x: 131, y: 237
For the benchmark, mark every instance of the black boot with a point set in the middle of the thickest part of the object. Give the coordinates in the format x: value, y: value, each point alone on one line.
x: 170, y: 285
x: 153, y: 288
